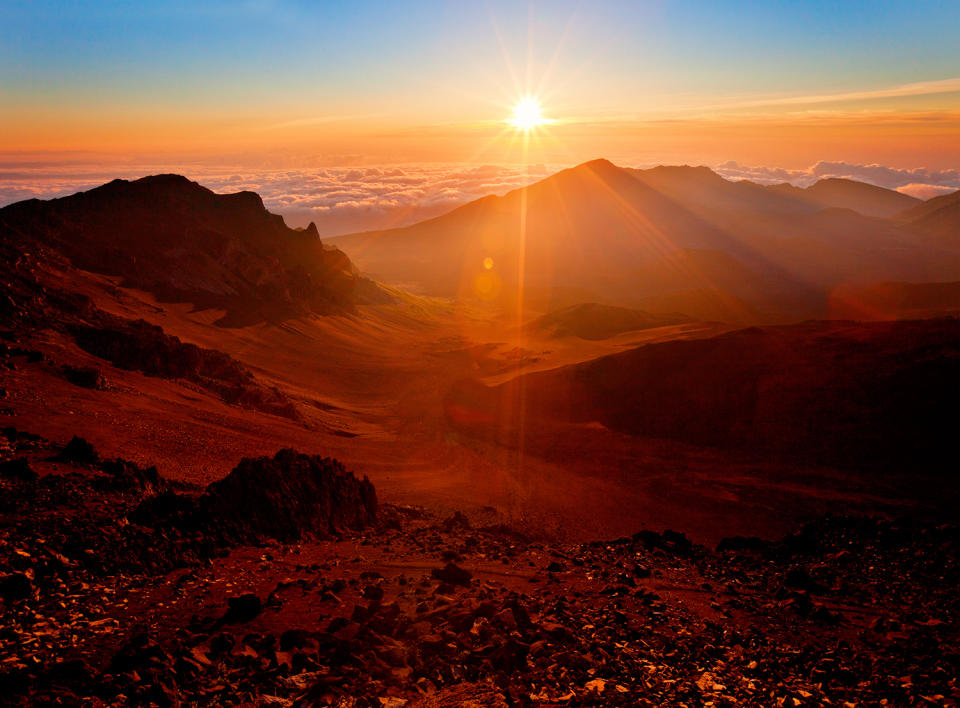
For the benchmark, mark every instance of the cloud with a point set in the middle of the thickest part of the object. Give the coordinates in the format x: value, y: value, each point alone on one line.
x: 338, y: 200
x: 916, y: 181
x: 925, y: 191
x: 889, y: 177
x: 348, y: 199
x: 918, y: 88
x: 764, y: 175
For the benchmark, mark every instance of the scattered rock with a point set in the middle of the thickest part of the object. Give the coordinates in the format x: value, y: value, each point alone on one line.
x: 453, y: 574
x: 293, y: 495
x: 18, y: 469
x: 15, y: 586
x: 85, y: 377
x: 457, y: 522
x: 84, y: 553
x: 78, y: 451
x: 242, y: 608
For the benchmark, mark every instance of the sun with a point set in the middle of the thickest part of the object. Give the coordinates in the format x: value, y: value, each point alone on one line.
x: 527, y: 114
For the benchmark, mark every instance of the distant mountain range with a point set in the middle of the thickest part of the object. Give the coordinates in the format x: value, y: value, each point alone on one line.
x: 668, y: 239
x: 939, y: 217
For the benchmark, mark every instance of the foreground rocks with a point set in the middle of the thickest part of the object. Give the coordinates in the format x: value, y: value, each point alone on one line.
x: 294, y: 495
x: 365, y: 606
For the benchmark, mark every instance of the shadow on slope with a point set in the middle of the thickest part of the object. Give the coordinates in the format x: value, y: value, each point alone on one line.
x: 879, y: 395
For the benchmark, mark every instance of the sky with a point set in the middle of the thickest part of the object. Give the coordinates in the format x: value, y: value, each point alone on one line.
x: 247, y: 88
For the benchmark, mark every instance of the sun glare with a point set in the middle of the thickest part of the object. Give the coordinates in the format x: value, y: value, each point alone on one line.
x: 527, y: 114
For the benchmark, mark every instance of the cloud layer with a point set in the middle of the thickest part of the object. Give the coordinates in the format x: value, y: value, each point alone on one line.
x: 338, y: 200
x: 918, y: 182
x: 347, y: 199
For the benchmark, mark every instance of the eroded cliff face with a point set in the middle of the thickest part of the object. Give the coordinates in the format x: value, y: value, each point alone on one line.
x: 182, y: 242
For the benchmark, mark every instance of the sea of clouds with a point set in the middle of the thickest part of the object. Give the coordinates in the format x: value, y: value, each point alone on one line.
x: 919, y: 182
x: 338, y: 200
x: 348, y: 199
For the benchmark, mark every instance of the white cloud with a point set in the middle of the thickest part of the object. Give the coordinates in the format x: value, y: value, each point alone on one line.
x: 339, y: 200
x: 916, y: 181
x: 346, y: 199
x: 925, y: 191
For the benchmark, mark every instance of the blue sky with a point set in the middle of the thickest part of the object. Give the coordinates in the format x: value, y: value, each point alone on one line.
x: 146, y: 68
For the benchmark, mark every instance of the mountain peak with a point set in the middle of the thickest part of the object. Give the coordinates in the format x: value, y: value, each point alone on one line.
x: 599, y: 166
x: 171, y: 236
x: 165, y: 180
x: 868, y: 199
x: 693, y: 173
x: 600, y: 162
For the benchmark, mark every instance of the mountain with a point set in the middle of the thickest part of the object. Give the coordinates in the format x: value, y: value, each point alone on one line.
x: 939, y: 217
x: 595, y: 321
x: 598, y: 232
x: 895, y: 301
x: 854, y: 395
x: 701, y: 187
x: 866, y: 199
x: 474, y: 499
x: 594, y: 229
x: 182, y: 242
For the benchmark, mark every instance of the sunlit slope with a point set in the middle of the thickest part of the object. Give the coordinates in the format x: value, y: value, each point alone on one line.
x: 601, y: 233
x: 700, y: 187
x: 938, y: 217
x: 594, y: 321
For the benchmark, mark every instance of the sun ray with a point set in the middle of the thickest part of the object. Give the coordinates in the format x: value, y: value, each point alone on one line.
x: 527, y: 114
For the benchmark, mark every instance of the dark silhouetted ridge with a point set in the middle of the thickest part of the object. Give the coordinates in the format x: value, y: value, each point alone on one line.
x: 182, y: 242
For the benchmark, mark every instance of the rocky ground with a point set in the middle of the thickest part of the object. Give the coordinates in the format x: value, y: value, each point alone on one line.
x: 287, y: 584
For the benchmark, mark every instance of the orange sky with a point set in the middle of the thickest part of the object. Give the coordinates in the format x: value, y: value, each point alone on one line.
x: 906, y: 139
x: 689, y: 81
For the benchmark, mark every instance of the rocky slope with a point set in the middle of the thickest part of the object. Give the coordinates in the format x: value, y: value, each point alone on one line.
x: 182, y: 242
x: 32, y: 304
x: 424, y: 611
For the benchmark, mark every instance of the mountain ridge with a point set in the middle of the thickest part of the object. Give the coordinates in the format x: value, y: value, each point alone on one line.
x: 603, y: 230
x: 182, y: 242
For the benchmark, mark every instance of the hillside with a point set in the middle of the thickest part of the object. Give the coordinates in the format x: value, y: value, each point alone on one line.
x: 309, y: 592
x: 896, y: 301
x: 703, y: 188
x: 939, y: 217
x: 867, y: 199
x: 182, y: 242
x: 598, y: 232
x: 595, y: 321
x: 838, y: 393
